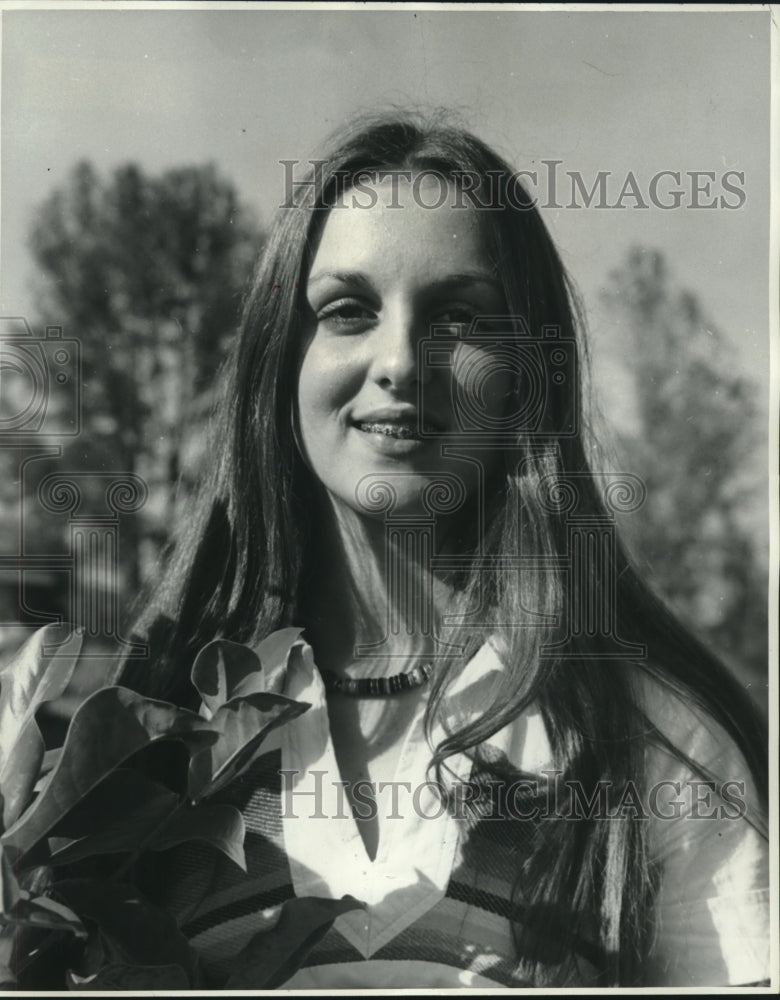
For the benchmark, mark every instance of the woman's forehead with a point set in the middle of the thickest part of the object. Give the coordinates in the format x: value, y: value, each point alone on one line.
x: 402, y: 223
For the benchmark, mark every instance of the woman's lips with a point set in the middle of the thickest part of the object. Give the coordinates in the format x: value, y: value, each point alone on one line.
x: 393, y: 437
x: 406, y: 431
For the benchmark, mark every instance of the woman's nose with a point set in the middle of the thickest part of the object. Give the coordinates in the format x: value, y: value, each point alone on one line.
x: 396, y: 362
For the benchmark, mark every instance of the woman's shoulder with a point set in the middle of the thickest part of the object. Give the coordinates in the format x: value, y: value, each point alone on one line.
x: 706, y: 834
x: 685, y: 737
x: 672, y: 724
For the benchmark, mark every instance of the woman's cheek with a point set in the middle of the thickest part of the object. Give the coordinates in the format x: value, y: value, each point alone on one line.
x: 329, y: 378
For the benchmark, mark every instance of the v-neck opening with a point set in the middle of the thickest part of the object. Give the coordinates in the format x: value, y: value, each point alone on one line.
x: 327, y: 855
x: 413, y: 730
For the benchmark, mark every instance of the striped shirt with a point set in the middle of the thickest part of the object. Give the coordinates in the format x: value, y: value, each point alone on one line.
x: 439, y: 908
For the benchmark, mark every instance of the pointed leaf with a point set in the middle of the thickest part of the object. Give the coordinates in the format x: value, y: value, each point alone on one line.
x: 9, y: 949
x: 224, y: 670
x: 121, y: 793
x: 34, y: 952
x: 135, y: 931
x: 46, y: 914
x: 275, y: 648
x: 220, y: 825
x: 9, y: 885
x: 110, y: 726
x: 272, y: 956
x: 36, y: 674
x: 132, y: 978
x: 49, y: 762
x: 218, y: 667
x: 21, y: 772
x: 274, y: 652
x: 122, y: 830
x: 12, y: 943
x: 243, y: 723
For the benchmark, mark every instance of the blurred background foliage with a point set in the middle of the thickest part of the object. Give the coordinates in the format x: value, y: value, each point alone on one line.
x: 696, y: 438
x: 147, y: 272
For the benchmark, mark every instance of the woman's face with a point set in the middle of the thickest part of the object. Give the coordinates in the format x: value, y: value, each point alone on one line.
x: 372, y: 401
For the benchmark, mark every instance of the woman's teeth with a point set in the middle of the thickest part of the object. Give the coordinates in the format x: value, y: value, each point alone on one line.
x: 391, y: 430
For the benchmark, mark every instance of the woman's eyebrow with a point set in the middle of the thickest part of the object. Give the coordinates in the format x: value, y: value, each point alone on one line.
x: 446, y: 282
x: 468, y: 278
x: 343, y: 277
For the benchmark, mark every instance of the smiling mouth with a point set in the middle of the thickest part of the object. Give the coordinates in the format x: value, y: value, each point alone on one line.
x: 403, y: 431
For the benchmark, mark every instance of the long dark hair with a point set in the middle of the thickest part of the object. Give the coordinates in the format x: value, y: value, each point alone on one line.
x: 238, y: 568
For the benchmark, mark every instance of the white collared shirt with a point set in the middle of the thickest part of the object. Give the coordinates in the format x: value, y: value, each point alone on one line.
x: 712, y: 909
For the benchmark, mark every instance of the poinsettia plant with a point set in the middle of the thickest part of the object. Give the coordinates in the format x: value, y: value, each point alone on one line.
x: 77, y: 821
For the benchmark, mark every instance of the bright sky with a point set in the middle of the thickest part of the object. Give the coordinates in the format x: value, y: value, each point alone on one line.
x: 614, y: 91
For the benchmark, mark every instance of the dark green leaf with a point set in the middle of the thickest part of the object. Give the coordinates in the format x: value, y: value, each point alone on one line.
x: 218, y: 667
x: 275, y: 648
x: 21, y: 772
x: 225, y: 670
x: 34, y: 925
x: 274, y: 651
x: 39, y: 672
x: 46, y: 914
x: 48, y: 764
x: 132, y: 977
x: 220, y: 825
x: 50, y: 760
x: 9, y: 951
x: 119, y: 815
x: 243, y: 724
x: 271, y: 957
x: 137, y: 932
x: 122, y: 792
x: 20, y: 946
x: 110, y: 726
x: 9, y: 886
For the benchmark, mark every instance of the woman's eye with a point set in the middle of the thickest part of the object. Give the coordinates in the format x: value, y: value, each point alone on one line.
x: 457, y: 316
x: 345, y: 313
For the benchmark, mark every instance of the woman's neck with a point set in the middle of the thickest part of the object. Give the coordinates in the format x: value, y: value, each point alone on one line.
x: 371, y: 605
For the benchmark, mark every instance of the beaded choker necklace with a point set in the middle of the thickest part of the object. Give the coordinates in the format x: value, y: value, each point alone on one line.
x: 377, y: 687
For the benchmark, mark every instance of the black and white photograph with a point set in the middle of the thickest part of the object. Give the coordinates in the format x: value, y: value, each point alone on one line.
x: 388, y: 497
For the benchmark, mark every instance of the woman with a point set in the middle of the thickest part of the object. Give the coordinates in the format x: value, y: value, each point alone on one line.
x: 509, y: 738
